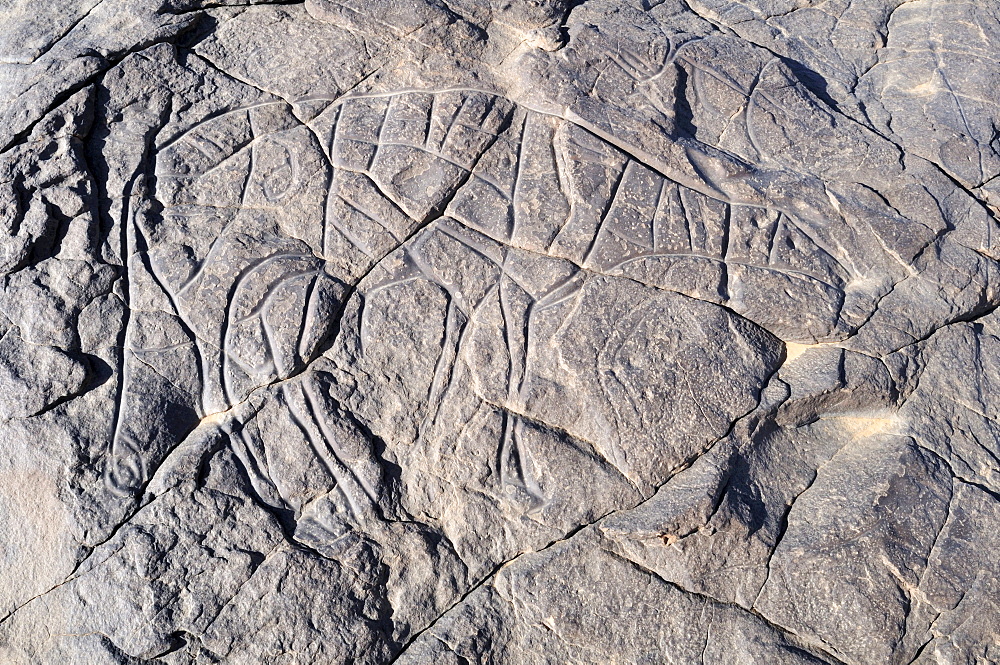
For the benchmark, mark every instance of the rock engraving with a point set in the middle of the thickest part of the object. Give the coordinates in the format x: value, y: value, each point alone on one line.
x: 498, y: 332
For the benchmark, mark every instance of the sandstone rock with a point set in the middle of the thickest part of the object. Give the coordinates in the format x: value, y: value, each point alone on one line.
x: 499, y: 331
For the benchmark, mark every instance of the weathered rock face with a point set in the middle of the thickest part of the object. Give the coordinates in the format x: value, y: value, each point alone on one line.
x: 499, y: 331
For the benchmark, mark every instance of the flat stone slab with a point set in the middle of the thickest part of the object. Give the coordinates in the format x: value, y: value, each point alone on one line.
x: 499, y: 331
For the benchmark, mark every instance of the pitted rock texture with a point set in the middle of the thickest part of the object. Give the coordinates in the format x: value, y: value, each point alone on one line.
x: 499, y: 331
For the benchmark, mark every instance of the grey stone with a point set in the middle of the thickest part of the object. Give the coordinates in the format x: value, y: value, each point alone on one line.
x: 499, y: 331
x: 33, y: 377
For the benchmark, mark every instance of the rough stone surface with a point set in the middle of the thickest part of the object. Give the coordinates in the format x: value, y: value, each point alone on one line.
x: 499, y: 331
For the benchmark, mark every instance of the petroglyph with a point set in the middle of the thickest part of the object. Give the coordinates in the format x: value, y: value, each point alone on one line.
x: 455, y: 332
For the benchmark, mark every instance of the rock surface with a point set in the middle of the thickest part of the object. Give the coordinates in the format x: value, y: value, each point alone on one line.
x: 500, y: 331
